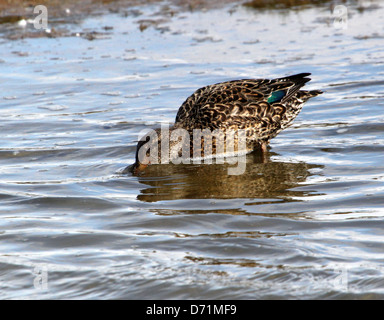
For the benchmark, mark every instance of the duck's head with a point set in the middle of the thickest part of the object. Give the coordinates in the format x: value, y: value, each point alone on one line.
x: 140, y: 164
x: 149, y: 148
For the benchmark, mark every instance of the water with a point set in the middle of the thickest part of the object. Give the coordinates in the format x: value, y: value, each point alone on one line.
x: 308, y: 223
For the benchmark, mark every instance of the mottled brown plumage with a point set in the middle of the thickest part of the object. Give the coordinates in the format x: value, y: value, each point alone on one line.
x: 260, y: 107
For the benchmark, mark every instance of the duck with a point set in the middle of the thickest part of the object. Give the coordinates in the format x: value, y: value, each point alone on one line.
x: 258, y: 108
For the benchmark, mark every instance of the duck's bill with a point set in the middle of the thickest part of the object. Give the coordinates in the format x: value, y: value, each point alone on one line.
x: 136, y: 168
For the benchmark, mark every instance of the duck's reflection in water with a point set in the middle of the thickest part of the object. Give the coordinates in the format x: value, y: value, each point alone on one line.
x: 263, y: 178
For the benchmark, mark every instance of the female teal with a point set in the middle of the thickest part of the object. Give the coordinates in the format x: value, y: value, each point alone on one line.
x: 260, y: 108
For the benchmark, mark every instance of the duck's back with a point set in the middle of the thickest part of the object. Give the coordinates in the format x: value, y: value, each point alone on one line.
x: 261, y: 107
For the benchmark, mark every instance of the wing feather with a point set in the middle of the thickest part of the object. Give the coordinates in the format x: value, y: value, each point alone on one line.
x: 243, y: 104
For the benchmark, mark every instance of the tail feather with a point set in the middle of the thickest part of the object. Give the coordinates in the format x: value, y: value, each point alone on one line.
x: 299, y: 80
x: 295, y: 77
x: 315, y: 93
x: 289, y: 87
